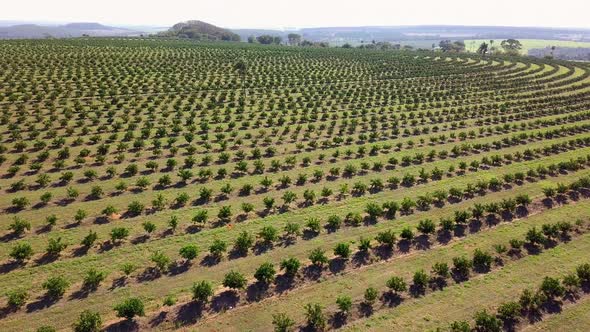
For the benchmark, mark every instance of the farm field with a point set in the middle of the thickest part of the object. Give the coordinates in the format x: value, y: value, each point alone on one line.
x: 472, y: 44
x: 163, y: 185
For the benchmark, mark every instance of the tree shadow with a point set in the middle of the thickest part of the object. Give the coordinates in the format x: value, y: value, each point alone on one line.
x: 210, y: 260
x: 391, y: 299
x: 474, y: 226
x: 126, y: 325
x: 366, y: 309
x: 404, y: 246
x: 9, y: 237
x: 438, y: 283
x: 149, y: 274
x: 140, y: 239
x: 261, y: 248
x: 43, y: 229
x: 337, y: 265
x: 118, y: 282
x: 423, y: 242
x: 417, y: 291
x: 82, y: 293
x: 338, y: 320
x: 521, y: 211
x: 45, y: 301
x: 283, y: 283
x: 192, y: 229
x: 7, y: 310
x: 158, y: 319
x: 10, y: 266
x: 360, y: 258
x: 443, y: 236
x: 384, y: 252
x: 313, y: 272
x: 548, y: 203
x: 224, y: 301
x: 257, y: 291
x: 459, y: 277
x: 179, y: 267
x: 552, y: 306
x: 46, y: 259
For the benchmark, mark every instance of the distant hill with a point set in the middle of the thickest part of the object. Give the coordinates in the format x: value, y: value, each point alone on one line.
x: 63, y: 31
x: 200, y: 30
x: 88, y: 26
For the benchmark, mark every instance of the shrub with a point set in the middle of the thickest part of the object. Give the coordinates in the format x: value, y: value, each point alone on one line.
x: 46, y: 328
x: 56, y: 286
x: 396, y: 284
x: 334, y: 222
x: 88, y: 321
x: 364, y: 244
x: 461, y: 266
x: 217, y: 248
x: 459, y: 326
x: 551, y: 287
x: 374, y: 210
x: 291, y: 266
x: 93, y: 278
x: 344, y: 303
x: 420, y: 280
x: 509, y: 311
x: 407, y: 234
x: 201, y: 216
x: 386, y: 238
x: 282, y: 322
x: 318, y: 257
x: 265, y: 273
x: 17, y: 298
x: 189, y: 252
x: 482, y: 260
x: 21, y: 251
x: 313, y: 225
x: 55, y: 246
x: 161, y: 260
x: 119, y: 233
x: 149, y: 227
x: 426, y: 226
x: 370, y: 296
x: 342, y: 250
x: 268, y: 234
x: 583, y: 272
x: 441, y: 270
x: 234, y: 280
x: 315, y: 316
x: 19, y: 226
x: 135, y: 208
x: 130, y: 308
x: 202, y: 291
x: 487, y: 322
x: 89, y: 239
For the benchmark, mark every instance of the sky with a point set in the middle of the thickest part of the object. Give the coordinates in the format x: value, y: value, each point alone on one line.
x: 304, y: 13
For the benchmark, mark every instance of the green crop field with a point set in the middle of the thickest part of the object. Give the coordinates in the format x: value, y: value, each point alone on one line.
x: 472, y: 44
x: 160, y: 184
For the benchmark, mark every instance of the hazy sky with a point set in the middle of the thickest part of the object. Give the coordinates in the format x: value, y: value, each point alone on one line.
x: 304, y: 13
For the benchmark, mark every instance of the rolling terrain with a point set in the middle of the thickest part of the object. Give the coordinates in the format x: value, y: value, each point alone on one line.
x: 237, y: 187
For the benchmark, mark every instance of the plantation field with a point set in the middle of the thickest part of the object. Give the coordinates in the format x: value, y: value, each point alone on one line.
x: 153, y: 184
x: 472, y: 44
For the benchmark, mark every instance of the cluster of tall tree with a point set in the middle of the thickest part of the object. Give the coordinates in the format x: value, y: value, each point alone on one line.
x: 509, y: 46
x: 450, y: 46
x: 265, y: 39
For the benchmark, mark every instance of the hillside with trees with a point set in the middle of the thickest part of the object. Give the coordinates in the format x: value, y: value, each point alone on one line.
x: 199, y: 30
